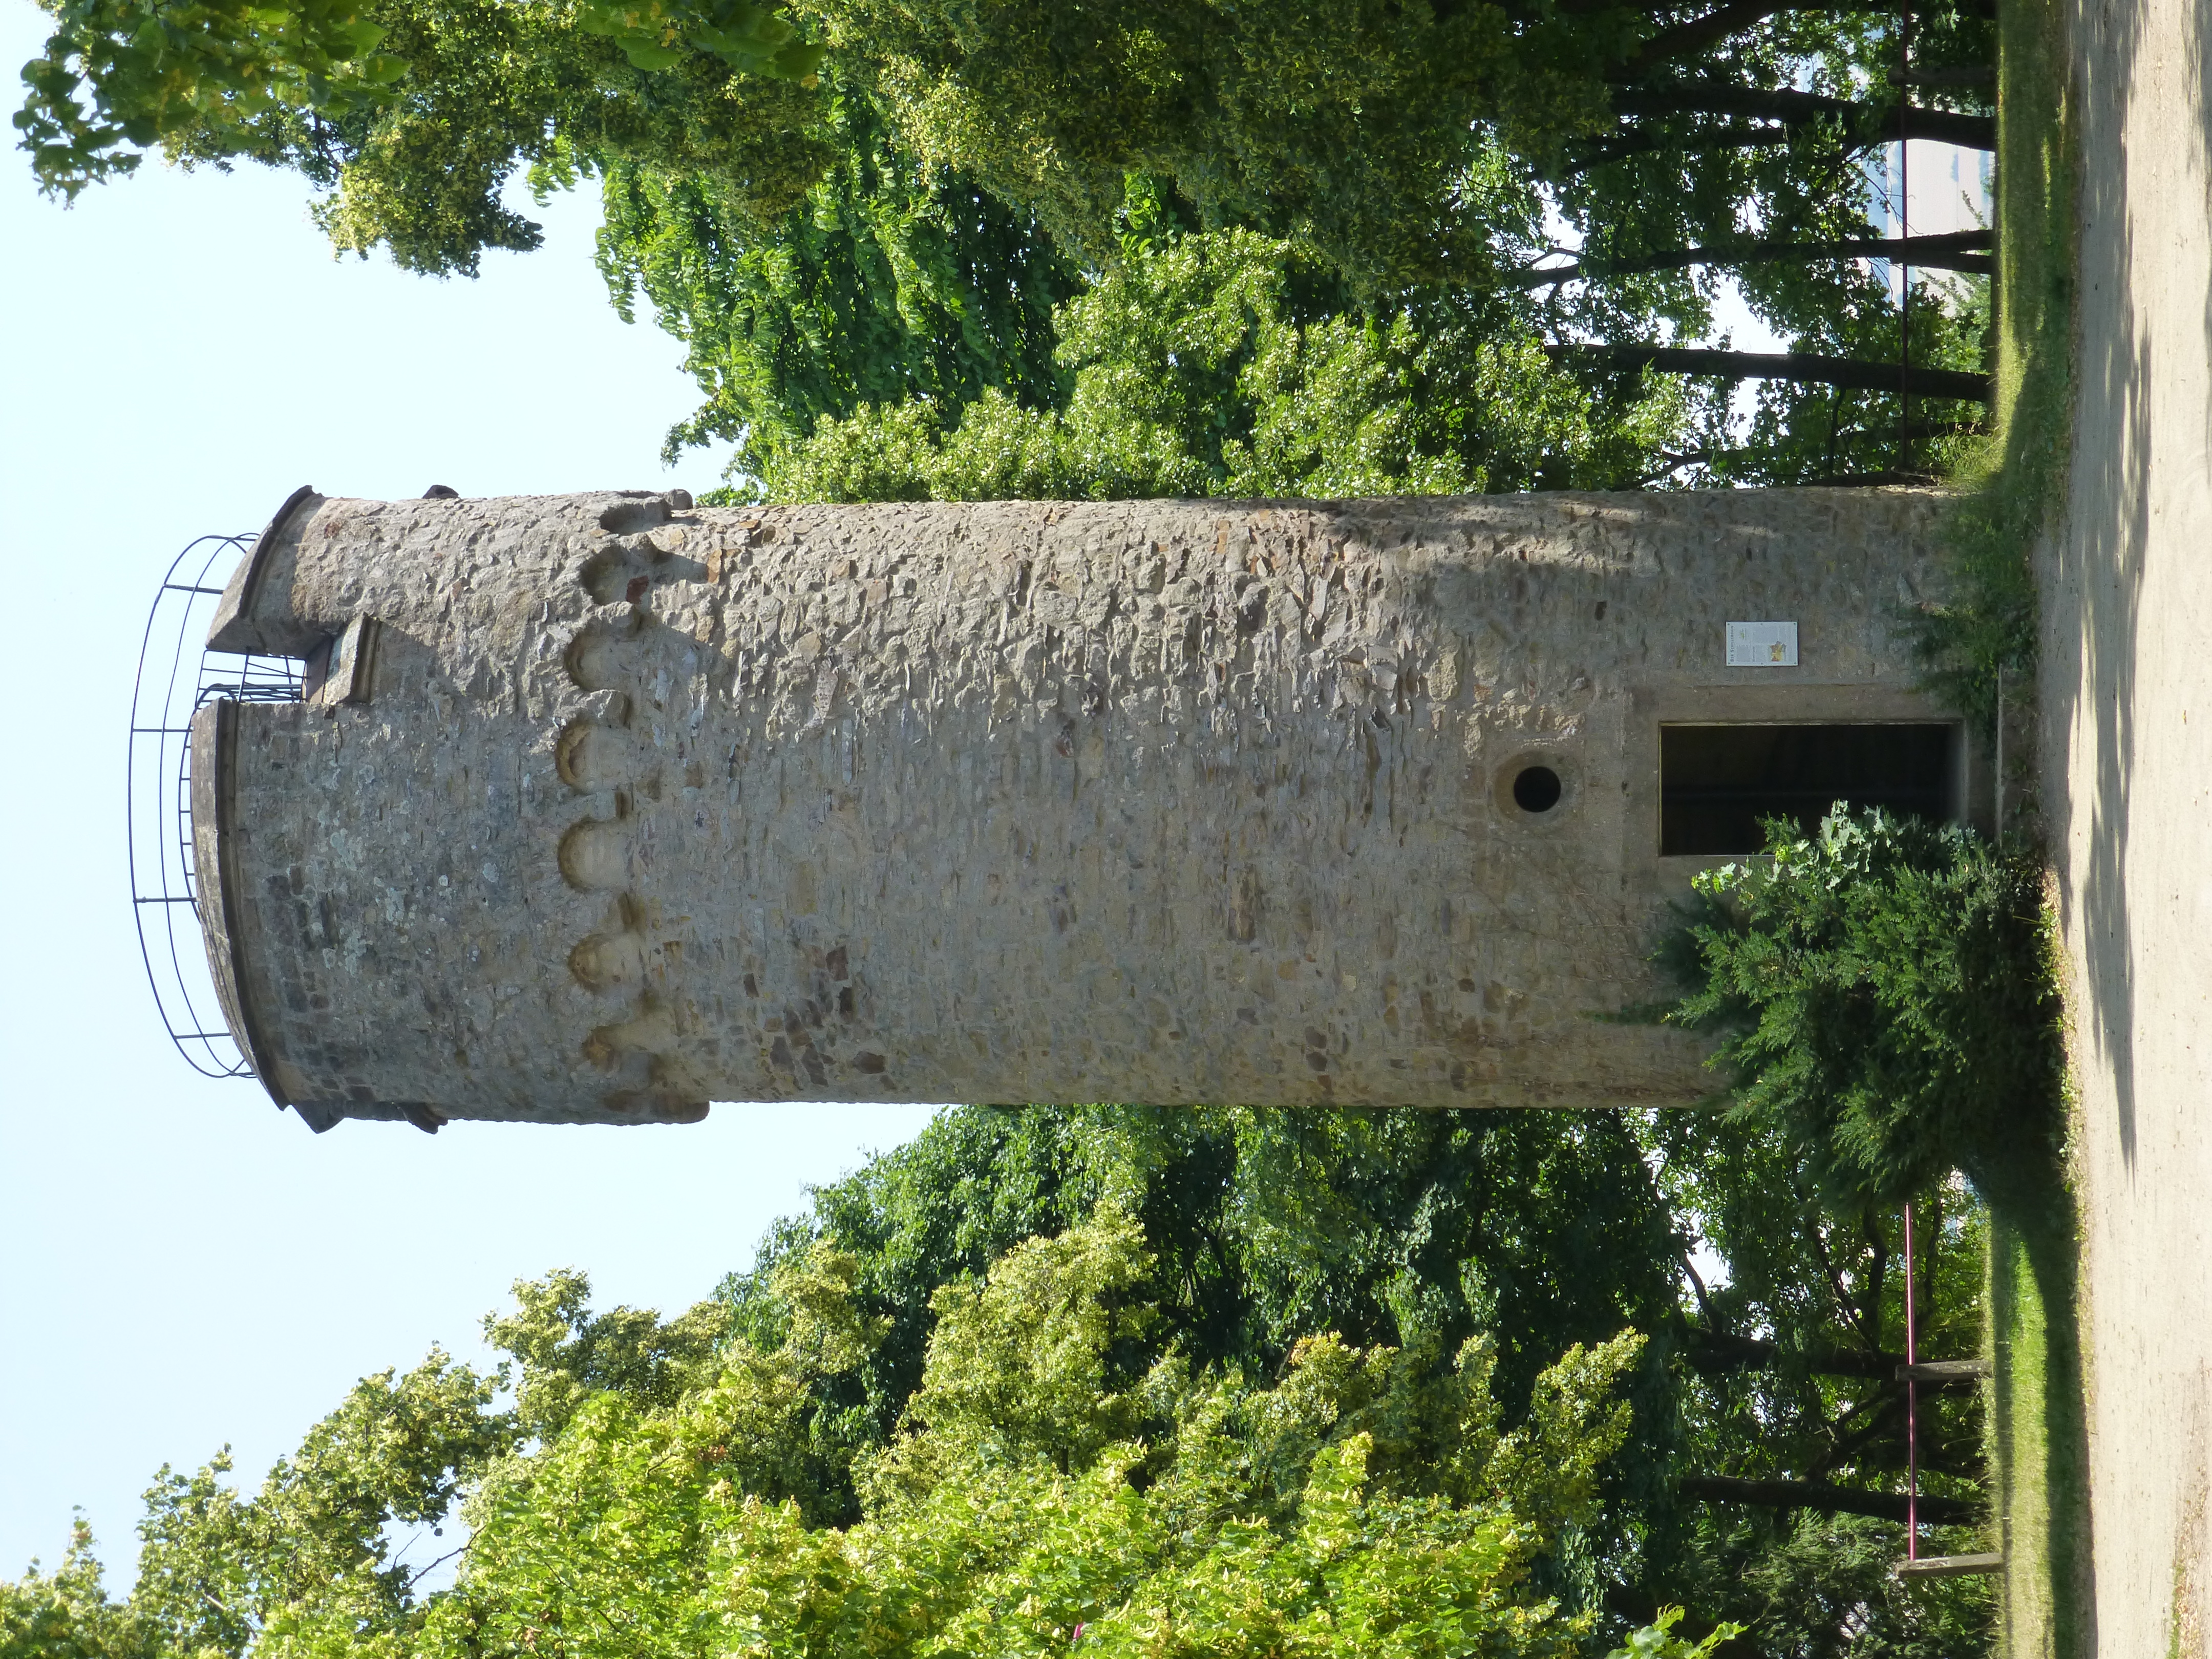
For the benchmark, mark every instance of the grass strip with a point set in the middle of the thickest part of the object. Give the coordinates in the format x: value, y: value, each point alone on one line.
x: 2037, y: 1421
x: 1980, y: 648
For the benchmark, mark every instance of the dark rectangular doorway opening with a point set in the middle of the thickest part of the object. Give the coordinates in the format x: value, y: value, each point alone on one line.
x: 1716, y: 782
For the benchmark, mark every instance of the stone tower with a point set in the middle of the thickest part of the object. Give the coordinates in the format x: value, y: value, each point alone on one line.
x: 601, y: 807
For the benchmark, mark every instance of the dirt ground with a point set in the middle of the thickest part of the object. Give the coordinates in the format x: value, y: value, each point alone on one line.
x: 2126, y: 701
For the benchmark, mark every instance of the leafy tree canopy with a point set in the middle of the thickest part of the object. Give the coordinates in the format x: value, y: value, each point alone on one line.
x: 1353, y: 121
x: 1043, y: 1367
x: 1033, y: 1499
x: 1193, y: 369
x: 1037, y: 1319
x: 880, y: 218
x: 1416, y: 1230
x: 893, y: 282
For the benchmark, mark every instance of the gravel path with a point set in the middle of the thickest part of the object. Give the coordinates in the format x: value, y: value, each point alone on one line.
x: 2126, y: 700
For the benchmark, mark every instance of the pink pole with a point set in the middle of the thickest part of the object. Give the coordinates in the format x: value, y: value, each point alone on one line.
x: 1911, y: 1403
x: 1904, y: 444
x: 1904, y: 234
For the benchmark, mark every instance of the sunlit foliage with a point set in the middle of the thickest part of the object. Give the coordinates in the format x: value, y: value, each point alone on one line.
x: 1035, y: 1495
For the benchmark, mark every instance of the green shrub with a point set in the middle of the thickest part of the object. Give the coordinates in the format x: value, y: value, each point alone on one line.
x: 1885, y: 993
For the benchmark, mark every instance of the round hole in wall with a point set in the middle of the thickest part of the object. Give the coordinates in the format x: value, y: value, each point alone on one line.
x: 1536, y: 789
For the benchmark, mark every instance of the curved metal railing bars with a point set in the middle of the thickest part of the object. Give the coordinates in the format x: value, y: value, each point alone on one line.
x: 176, y: 675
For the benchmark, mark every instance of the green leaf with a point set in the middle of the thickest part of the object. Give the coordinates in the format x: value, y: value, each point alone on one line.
x: 362, y: 35
x: 797, y: 62
x: 648, y: 54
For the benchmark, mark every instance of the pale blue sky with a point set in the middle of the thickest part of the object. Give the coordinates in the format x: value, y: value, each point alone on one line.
x: 181, y: 1265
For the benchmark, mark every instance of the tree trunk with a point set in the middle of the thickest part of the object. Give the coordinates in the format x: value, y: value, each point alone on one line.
x: 1685, y: 38
x: 1867, y: 123
x: 1829, y: 1500
x: 1856, y: 373
x: 1961, y: 250
x: 1711, y: 1351
x: 1636, y: 144
x: 1962, y: 75
x: 1682, y: 39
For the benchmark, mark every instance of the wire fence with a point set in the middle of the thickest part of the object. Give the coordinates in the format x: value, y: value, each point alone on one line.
x: 177, y: 674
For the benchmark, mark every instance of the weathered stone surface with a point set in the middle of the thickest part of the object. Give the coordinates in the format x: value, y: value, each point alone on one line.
x: 633, y: 808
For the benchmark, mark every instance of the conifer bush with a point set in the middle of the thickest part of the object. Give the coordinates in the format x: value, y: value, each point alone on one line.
x: 1885, y: 991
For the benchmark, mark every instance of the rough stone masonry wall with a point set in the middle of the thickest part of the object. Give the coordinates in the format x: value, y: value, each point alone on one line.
x: 1171, y: 802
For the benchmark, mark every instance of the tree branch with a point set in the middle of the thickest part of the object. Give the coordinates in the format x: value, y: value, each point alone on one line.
x: 1962, y: 75
x: 1876, y: 1274
x: 1635, y: 143
x: 1817, y: 1495
x: 1681, y: 39
x: 1716, y: 1351
x: 1712, y: 1351
x: 1845, y: 1305
x: 1958, y: 250
x: 1676, y: 463
x: 420, y: 1573
x: 1866, y: 123
x: 1878, y: 1443
x: 1684, y: 39
x: 1887, y: 431
x: 1697, y: 1282
x: 1886, y: 478
x: 1806, y: 368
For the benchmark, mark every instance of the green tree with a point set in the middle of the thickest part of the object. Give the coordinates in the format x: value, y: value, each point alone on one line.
x: 1032, y: 1489
x: 1412, y: 1230
x: 980, y: 163
x: 1200, y: 367
x: 1883, y: 991
x: 1787, y: 1406
x: 995, y: 1308
x: 892, y: 283
x: 413, y: 113
x: 66, y: 1614
x: 1402, y: 1228
x: 1032, y: 1497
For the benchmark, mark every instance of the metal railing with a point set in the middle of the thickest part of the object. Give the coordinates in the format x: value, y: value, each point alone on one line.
x: 176, y: 675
